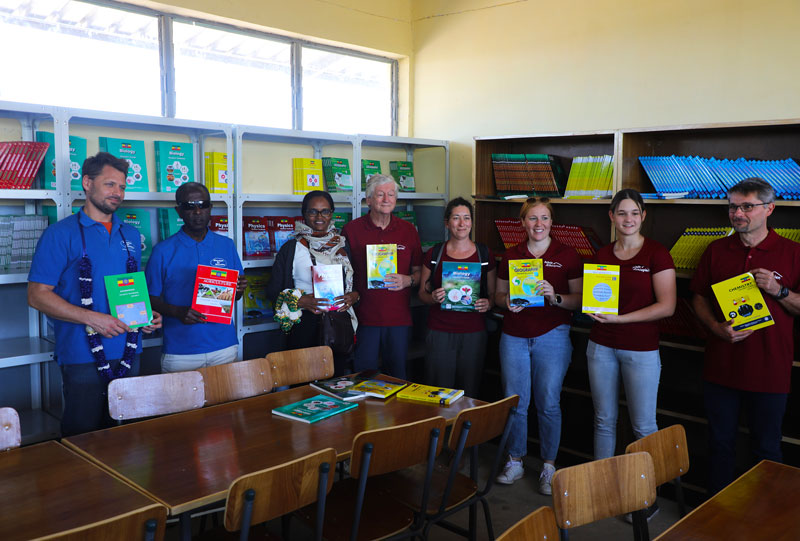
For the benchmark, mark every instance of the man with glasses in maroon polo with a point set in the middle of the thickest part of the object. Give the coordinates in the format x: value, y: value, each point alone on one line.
x: 190, y: 342
x: 750, y: 369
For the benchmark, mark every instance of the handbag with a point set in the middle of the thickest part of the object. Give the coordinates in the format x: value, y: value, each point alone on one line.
x: 336, y: 332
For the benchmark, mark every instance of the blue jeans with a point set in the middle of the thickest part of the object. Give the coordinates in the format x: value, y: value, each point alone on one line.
x: 640, y: 374
x: 539, y: 364
x: 391, y: 343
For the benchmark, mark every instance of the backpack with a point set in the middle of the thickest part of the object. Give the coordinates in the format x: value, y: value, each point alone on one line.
x: 483, y: 259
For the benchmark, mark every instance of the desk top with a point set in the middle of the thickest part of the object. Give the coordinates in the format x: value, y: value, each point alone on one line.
x: 189, y: 459
x: 761, y: 504
x: 46, y: 489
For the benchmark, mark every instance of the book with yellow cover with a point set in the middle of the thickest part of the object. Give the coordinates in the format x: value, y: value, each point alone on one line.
x: 381, y: 260
x: 600, y: 289
x: 378, y: 388
x: 741, y: 301
x: 434, y: 395
x: 524, y: 276
x: 307, y: 175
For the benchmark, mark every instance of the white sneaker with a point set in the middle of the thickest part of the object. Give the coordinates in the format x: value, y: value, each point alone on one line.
x: 512, y: 471
x: 544, y: 479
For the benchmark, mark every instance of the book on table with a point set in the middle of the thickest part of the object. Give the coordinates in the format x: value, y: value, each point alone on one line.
x: 214, y: 293
x: 462, y: 285
x: 378, y: 388
x: 524, y: 276
x: 430, y: 394
x: 600, y: 289
x: 128, y: 299
x: 328, y: 284
x: 314, y: 409
x: 742, y: 303
x: 381, y: 260
x: 341, y: 388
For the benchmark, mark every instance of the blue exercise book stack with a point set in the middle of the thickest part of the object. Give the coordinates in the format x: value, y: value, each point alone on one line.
x: 693, y: 177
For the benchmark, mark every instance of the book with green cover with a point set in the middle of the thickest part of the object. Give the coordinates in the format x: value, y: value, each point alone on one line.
x: 132, y: 151
x: 174, y: 165
x: 742, y: 303
x: 140, y: 219
x: 128, y: 299
x: 314, y: 409
x: 403, y: 173
x: 369, y: 168
x: 432, y: 395
x: 378, y: 388
x: 462, y: 285
x: 340, y: 219
x: 381, y: 260
x: 524, y: 276
x: 169, y: 222
x: 337, y: 174
x: 77, y: 155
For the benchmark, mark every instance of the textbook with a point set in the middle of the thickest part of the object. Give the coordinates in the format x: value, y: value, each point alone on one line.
x: 128, y: 299
x: 307, y: 174
x: 381, y: 260
x: 403, y: 174
x: 255, y: 236
x: 314, y: 409
x: 216, y: 172
x: 341, y: 388
x: 378, y: 388
x: 369, y: 168
x: 336, y: 172
x: 256, y: 303
x: 462, y: 285
x: 140, y: 219
x: 523, y: 279
x: 214, y: 293
x: 433, y: 395
x: 741, y: 301
x: 280, y: 230
x: 132, y: 151
x: 328, y: 283
x: 77, y: 155
x: 174, y: 165
x: 600, y: 289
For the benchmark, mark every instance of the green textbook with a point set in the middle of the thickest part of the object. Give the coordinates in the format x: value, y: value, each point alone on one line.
x: 314, y: 409
x: 174, y: 165
x: 132, y: 151
x: 128, y: 299
x: 77, y: 155
x: 140, y: 219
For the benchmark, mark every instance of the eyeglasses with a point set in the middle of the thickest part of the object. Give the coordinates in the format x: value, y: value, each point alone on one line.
x: 746, y: 207
x: 191, y: 205
x: 314, y: 212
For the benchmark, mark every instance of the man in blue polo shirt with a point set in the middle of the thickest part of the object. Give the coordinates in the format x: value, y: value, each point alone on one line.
x: 189, y: 341
x: 66, y: 283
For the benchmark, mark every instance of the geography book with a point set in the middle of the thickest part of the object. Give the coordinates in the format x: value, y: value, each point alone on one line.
x: 128, y: 299
x: 600, y: 289
x: 524, y: 276
x: 328, y: 283
x: 462, y: 285
x: 381, y: 260
x: 314, y: 409
x: 741, y: 302
x: 214, y: 293
x: 432, y: 395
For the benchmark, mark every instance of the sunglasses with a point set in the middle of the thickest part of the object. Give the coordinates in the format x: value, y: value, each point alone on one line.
x: 192, y: 205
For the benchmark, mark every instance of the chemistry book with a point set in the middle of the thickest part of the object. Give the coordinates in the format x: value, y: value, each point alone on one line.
x: 600, y: 289
x: 128, y: 299
x: 377, y: 388
x: 524, y: 276
x: 214, y: 293
x: 462, y: 285
x: 741, y: 302
x: 432, y: 395
x: 341, y: 388
x: 314, y: 409
x: 381, y: 260
x: 328, y: 283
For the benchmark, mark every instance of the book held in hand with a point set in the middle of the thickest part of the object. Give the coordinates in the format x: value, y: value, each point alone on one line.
x: 524, y: 276
x: 378, y: 388
x: 600, y: 289
x: 314, y: 409
x: 341, y: 388
x: 214, y: 293
x: 433, y: 395
x: 462, y: 285
x: 741, y: 302
x: 128, y: 299
x: 328, y: 283
x: 381, y: 260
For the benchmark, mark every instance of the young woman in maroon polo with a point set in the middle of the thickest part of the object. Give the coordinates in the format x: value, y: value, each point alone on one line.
x: 535, y: 348
x: 627, y: 343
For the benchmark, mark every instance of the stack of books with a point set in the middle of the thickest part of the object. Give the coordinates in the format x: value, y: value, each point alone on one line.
x: 341, y: 218
x: 408, y: 215
x: 219, y: 224
x: 336, y: 172
x: 132, y: 151
x: 511, y: 232
x: 139, y: 219
x: 19, y: 162
x: 18, y: 237
x: 403, y: 174
x: 791, y: 234
x: 174, y: 165
x: 583, y: 239
x: 590, y: 177
x: 532, y: 174
x: 307, y: 175
x: 682, y: 323
x: 369, y: 168
x: 693, y: 242
x: 77, y: 155
x: 216, y: 172
x: 169, y: 222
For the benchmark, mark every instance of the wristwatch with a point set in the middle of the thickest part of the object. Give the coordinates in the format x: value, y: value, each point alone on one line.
x: 558, y: 298
x: 783, y: 293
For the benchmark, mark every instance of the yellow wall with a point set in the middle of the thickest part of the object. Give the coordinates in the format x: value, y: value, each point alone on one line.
x: 494, y: 67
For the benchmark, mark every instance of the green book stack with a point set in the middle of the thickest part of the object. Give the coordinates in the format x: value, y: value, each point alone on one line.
x: 77, y: 155
x: 341, y: 218
x: 407, y: 215
x: 169, y: 222
x: 403, y: 173
x: 140, y: 219
x: 174, y: 164
x: 132, y: 151
x: 336, y: 172
x: 369, y: 168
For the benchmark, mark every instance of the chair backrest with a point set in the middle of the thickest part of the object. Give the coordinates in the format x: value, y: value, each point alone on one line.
x: 279, y: 490
x: 603, y: 488
x: 145, y: 524
x: 145, y: 396
x: 237, y: 380
x: 669, y: 451
x: 486, y: 422
x: 10, y: 433
x: 539, y: 525
x: 300, y: 365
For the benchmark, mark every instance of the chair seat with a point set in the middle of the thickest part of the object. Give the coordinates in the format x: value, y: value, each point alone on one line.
x: 406, y: 487
x: 377, y: 503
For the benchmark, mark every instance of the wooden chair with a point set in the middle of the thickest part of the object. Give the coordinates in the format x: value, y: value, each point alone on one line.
x: 300, y: 365
x: 358, y: 510
x: 147, y: 524
x: 237, y: 380
x: 539, y: 525
x: 450, y: 490
x: 670, y: 456
x: 605, y: 488
x: 10, y: 432
x: 146, y: 396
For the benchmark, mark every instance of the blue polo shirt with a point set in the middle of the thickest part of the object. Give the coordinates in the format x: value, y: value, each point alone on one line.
x: 55, y: 263
x: 170, y: 273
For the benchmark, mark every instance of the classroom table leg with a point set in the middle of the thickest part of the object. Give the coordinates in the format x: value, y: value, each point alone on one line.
x: 185, y: 520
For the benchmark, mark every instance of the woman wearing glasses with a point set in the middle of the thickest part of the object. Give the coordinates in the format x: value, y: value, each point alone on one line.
x: 535, y: 348
x: 315, y: 242
x: 627, y: 343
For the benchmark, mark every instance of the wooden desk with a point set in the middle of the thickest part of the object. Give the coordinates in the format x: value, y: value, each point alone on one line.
x: 761, y: 504
x: 189, y: 459
x: 47, y: 489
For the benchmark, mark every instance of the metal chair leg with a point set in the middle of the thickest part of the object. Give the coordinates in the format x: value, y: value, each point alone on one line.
x: 150, y: 530
x: 247, y: 514
x: 679, y: 497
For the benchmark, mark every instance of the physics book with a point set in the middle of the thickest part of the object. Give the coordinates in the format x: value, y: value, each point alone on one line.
x: 314, y: 409
x: 128, y: 299
x: 741, y: 301
x: 524, y: 276
x: 214, y: 293
x: 462, y: 285
x: 433, y: 395
x: 378, y: 388
x: 600, y: 289
x: 381, y: 260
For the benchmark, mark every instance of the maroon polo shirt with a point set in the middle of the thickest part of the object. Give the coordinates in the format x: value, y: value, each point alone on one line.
x: 561, y: 264
x: 635, y: 292
x: 381, y: 307
x: 449, y: 320
x: 763, y: 361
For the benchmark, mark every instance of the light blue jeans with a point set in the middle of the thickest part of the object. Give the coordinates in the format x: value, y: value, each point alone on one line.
x: 538, y: 364
x: 640, y: 374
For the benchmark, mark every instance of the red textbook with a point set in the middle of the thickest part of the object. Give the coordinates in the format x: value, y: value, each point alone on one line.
x: 214, y: 293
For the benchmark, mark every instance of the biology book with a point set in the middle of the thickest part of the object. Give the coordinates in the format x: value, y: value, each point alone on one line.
x: 378, y: 388
x: 524, y: 276
x: 741, y: 301
x: 432, y: 395
x: 77, y: 155
x: 341, y: 388
x: 132, y: 151
x: 381, y: 260
x: 128, y: 299
x: 314, y: 409
x: 174, y: 165
x: 214, y: 293
x: 328, y: 283
x: 462, y: 285
x: 140, y: 219
x: 600, y: 289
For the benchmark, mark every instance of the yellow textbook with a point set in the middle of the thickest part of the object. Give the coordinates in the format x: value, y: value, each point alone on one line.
x: 600, y: 289
x: 524, y: 276
x: 377, y: 388
x: 381, y: 260
x: 433, y: 395
x: 742, y: 302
